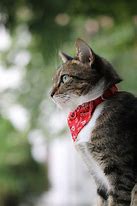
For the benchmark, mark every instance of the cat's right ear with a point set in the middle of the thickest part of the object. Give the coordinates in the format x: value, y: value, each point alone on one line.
x: 64, y: 57
x: 84, y: 52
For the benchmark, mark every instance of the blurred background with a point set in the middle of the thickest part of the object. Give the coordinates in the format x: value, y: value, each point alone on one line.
x: 38, y: 164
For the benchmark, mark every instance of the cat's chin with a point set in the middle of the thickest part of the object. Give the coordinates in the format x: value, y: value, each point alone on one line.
x: 66, y: 107
x: 62, y: 105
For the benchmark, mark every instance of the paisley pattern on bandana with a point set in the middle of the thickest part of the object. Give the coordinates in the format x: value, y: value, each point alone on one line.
x: 83, y: 113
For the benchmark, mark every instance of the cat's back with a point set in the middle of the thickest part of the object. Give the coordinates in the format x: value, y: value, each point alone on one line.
x: 116, y: 128
x: 119, y: 116
x: 122, y: 109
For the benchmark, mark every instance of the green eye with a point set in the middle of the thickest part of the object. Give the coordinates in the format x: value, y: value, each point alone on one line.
x: 65, y: 78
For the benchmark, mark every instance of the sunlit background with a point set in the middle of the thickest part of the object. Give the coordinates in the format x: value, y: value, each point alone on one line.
x: 38, y: 163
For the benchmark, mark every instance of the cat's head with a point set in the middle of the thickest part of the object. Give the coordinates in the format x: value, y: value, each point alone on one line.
x: 82, y: 78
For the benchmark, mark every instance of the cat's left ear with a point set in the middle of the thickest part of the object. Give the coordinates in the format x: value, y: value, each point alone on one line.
x: 64, y: 57
x: 84, y: 52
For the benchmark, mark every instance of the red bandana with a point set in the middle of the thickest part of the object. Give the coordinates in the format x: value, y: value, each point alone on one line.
x: 83, y: 113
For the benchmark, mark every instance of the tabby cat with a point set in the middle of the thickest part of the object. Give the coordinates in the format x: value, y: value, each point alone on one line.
x: 102, y: 120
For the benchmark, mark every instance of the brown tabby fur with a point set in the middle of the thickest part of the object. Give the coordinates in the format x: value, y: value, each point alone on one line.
x: 113, y: 143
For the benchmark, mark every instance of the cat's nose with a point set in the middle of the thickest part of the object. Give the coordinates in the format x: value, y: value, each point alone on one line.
x: 52, y: 93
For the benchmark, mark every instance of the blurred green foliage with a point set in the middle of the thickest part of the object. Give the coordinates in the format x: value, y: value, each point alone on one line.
x: 109, y: 27
x: 20, y: 175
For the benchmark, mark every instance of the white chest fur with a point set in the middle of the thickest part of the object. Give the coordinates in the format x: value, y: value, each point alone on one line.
x: 86, y: 132
x: 83, y: 144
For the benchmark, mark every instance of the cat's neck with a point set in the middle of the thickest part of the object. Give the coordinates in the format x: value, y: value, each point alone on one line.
x: 96, y: 92
x: 102, y: 96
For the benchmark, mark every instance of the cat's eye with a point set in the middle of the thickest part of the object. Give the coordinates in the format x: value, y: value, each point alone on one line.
x: 65, y: 78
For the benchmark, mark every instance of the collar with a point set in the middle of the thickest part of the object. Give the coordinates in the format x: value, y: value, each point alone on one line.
x: 83, y: 113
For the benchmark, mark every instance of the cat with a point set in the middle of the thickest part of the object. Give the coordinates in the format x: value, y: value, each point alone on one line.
x: 102, y: 120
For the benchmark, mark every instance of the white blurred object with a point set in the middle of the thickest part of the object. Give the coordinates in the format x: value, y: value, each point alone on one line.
x: 71, y: 184
x: 18, y: 116
x: 57, y: 122
x: 38, y: 145
x: 5, y: 40
x: 56, y: 118
x: 10, y: 78
x: 23, y: 37
x: 22, y: 58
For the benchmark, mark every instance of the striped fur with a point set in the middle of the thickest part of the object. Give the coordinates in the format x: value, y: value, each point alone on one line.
x: 108, y: 144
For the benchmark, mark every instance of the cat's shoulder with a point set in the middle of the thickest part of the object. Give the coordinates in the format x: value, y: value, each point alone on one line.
x: 122, y: 103
x: 123, y: 98
x: 121, y: 111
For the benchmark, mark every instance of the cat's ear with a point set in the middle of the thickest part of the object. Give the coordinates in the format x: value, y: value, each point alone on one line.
x: 84, y: 52
x: 64, y: 57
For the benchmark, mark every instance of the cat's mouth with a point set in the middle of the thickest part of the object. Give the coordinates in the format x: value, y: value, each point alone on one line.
x: 69, y: 102
x: 61, y: 100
